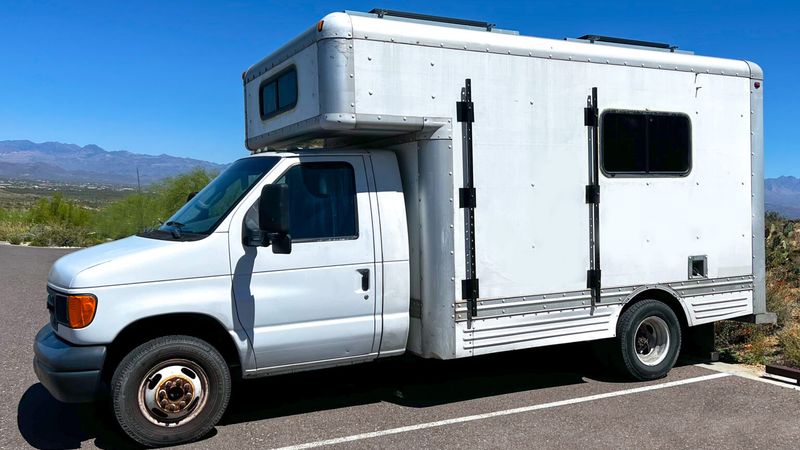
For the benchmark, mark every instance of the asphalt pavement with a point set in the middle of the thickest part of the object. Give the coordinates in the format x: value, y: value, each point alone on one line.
x: 558, y: 397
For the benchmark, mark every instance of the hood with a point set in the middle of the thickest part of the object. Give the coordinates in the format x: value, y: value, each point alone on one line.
x: 139, y: 260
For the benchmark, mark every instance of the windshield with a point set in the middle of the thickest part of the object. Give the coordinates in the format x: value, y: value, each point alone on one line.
x: 201, y: 215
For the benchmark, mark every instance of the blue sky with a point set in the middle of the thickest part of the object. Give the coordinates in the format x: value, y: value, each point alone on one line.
x: 165, y: 77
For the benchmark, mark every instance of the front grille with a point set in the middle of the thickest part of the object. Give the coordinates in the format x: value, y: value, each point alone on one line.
x: 57, y: 306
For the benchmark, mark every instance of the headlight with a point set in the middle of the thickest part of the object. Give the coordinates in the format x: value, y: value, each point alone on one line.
x: 80, y: 310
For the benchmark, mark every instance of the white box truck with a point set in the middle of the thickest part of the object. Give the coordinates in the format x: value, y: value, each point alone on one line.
x: 437, y: 187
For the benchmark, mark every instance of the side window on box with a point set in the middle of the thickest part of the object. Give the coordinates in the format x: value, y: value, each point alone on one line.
x: 278, y: 94
x: 645, y: 143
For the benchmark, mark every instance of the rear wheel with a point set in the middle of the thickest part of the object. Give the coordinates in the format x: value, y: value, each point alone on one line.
x: 170, y: 390
x: 648, y: 340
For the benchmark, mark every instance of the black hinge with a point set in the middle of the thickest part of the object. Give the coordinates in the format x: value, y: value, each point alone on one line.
x: 470, y: 292
x: 470, y: 289
x: 590, y: 117
x: 466, y: 198
x: 592, y: 193
x: 465, y: 112
x: 593, y: 279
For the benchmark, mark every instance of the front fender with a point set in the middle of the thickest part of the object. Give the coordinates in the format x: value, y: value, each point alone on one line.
x: 121, y: 305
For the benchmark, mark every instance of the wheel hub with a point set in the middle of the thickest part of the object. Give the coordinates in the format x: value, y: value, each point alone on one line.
x: 173, y: 392
x: 651, y: 340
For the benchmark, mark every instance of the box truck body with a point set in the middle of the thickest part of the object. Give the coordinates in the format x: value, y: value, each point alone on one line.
x: 369, y: 82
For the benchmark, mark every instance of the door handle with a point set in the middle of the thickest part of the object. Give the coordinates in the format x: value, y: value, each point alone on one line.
x: 364, y: 279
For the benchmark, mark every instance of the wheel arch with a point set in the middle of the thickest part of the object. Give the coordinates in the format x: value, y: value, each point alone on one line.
x: 663, y: 294
x: 201, y: 326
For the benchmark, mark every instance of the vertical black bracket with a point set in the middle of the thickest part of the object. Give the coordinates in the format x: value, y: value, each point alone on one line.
x: 591, y: 120
x: 466, y: 198
x: 465, y: 113
x: 470, y: 291
x: 590, y: 116
x: 592, y: 194
x: 592, y: 279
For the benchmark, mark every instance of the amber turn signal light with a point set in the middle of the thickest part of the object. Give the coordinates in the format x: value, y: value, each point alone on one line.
x: 80, y: 310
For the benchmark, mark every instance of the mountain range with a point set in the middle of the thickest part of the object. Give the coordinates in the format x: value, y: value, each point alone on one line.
x: 70, y: 163
x: 782, y: 195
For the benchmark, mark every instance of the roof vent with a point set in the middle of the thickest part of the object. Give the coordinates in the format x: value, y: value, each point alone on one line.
x: 593, y: 38
x: 380, y: 12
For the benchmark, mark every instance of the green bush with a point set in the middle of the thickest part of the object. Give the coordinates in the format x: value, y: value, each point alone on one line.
x: 138, y: 212
x: 60, y: 235
x: 789, y: 339
x: 58, y: 210
x: 57, y: 221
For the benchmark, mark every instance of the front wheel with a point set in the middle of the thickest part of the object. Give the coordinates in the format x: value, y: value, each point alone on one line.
x: 170, y: 390
x: 648, y: 340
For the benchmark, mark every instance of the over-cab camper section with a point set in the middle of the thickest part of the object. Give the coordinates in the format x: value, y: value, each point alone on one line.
x: 676, y: 140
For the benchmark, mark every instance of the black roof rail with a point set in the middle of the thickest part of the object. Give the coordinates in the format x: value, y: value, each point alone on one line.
x: 381, y: 12
x: 615, y: 40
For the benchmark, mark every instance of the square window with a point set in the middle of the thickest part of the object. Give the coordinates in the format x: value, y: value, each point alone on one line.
x: 645, y: 143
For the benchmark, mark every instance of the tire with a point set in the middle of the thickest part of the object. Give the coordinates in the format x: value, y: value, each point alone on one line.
x: 648, y: 340
x: 170, y: 390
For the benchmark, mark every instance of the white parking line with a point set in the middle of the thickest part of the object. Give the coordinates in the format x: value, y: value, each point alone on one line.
x: 505, y: 412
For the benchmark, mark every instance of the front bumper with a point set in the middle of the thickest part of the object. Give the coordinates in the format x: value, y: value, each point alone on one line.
x: 71, y: 373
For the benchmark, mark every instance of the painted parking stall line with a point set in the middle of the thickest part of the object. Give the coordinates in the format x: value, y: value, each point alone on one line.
x: 505, y: 412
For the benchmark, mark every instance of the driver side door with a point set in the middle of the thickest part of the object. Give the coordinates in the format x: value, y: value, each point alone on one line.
x: 318, y: 302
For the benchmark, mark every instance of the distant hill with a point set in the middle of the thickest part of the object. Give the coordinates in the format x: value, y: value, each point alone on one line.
x: 70, y: 163
x: 782, y: 195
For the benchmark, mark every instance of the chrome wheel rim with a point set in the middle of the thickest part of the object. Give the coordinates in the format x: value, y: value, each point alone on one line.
x: 173, y: 392
x: 651, y: 341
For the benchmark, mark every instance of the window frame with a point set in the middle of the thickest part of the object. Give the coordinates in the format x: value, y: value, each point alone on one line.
x: 646, y: 173
x: 274, y: 79
x: 355, y: 191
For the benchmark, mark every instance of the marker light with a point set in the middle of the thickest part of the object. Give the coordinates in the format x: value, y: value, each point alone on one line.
x: 80, y: 310
x: 319, y: 25
x: 757, y: 84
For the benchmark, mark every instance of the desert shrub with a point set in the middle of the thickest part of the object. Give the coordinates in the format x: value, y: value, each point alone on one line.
x: 14, y: 225
x: 789, y: 339
x: 758, y: 349
x: 56, y: 221
x: 60, y: 235
x: 128, y: 216
x: 782, y: 301
x: 14, y: 233
x: 58, y: 210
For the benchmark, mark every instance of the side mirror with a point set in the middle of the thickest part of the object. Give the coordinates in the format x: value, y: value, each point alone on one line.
x: 190, y: 196
x: 273, y: 217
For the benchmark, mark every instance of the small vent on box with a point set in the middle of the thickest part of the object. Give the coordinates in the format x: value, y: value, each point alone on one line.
x: 698, y: 267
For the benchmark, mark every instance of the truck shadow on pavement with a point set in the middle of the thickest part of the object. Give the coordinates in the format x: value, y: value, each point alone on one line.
x: 414, y: 382
x: 47, y: 423
x: 44, y: 422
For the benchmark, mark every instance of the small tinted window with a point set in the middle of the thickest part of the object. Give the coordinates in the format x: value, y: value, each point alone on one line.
x: 322, y: 201
x: 278, y: 94
x: 641, y: 143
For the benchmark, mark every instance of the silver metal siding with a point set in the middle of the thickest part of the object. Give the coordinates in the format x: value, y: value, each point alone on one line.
x: 757, y: 185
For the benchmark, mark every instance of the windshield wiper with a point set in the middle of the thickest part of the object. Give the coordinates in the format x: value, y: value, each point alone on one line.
x: 176, y: 228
